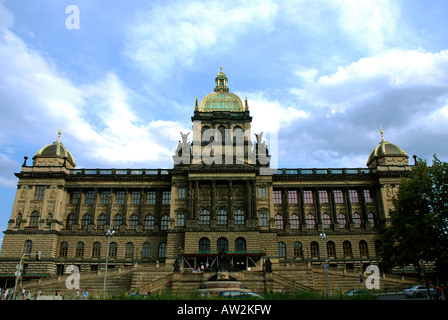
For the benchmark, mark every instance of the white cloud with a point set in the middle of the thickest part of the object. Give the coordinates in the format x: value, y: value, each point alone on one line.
x: 172, y: 37
x: 367, y: 25
x: 99, y: 123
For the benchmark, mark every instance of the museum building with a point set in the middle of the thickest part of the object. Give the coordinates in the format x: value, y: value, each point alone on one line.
x: 221, y: 195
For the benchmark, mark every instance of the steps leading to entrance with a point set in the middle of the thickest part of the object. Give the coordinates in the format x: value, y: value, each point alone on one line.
x: 144, y: 277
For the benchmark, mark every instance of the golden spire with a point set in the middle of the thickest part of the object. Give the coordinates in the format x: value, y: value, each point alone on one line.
x: 221, y: 68
x: 381, y: 130
x: 59, y: 135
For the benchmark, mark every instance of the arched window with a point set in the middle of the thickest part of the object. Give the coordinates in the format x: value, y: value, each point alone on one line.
x: 129, y: 252
x: 347, y: 249
x: 222, y: 217
x: 222, y: 134
x: 63, y: 249
x: 96, y: 250
x: 357, y: 220
x: 310, y: 221
x: 162, y: 250
x: 222, y: 244
x: 238, y: 135
x: 204, y: 218
x: 133, y: 222
x: 371, y: 219
x: 71, y: 219
x: 149, y: 222
x: 326, y: 220
x: 165, y: 223
x: 378, y: 247
x: 363, y: 249
x: 28, y: 247
x: 34, y: 219
x: 118, y: 221
x: 331, y: 249
x: 204, y: 245
x: 206, y: 133
x: 281, y: 250
x: 85, y: 221
x: 101, y: 222
x: 79, y: 252
x: 342, y: 221
x: 240, y: 244
x: 298, y: 250
x: 239, y: 217
x: 113, y: 250
x: 314, y: 249
x: 146, y: 250
x: 278, y: 222
x: 295, y: 222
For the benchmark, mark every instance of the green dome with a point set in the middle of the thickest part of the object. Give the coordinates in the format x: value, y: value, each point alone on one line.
x: 55, y: 150
x: 385, y: 148
x: 221, y: 99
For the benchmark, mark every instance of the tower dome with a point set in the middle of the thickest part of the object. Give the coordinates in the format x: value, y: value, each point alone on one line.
x: 387, y: 153
x: 54, y: 154
x: 221, y: 99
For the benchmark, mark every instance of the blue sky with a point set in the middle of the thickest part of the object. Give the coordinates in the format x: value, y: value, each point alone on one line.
x: 324, y: 73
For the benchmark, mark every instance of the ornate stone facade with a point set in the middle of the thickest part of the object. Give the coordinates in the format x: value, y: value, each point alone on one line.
x: 216, y: 197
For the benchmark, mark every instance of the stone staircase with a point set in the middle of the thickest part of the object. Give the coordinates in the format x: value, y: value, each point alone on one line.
x: 157, y: 278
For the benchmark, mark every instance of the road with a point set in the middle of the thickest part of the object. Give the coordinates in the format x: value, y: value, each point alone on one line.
x: 399, y: 297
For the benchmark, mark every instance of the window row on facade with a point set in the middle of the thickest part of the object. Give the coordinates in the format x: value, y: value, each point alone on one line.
x: 311, y: 221
x: 222, y: 216
x: 323, y: 196
x: 137, y: 197
x: 95, y: 251
x: 314, y: 250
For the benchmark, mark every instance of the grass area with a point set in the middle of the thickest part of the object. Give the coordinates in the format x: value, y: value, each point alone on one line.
x: 299, y: 295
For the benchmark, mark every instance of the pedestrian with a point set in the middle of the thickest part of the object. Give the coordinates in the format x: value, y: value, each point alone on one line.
x: 28, y: 295
x: 85, y: 294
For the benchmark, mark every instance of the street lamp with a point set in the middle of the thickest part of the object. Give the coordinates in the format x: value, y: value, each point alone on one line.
x: 109, y: 235
x: 324, y: 238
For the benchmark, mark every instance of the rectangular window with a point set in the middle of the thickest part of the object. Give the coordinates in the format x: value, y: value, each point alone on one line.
x: 277, y: 197
x: 182, y: 193
x: 323, y: 196
x: 308, y: 196
x: 39, y: 193
x: 90, y: 197
x: 166, y: 197
x: 75, y: 196
x: 292, y: 196
x: 353, y: 195
x: 181, y: 220
x: 135, y: 197
x: 368, y: 196
x: 262, y: 192
x: 263, y: 219
x: 338, y: 196
x: 120, y: 197
x: 151, y: 197
x: 104, y: 197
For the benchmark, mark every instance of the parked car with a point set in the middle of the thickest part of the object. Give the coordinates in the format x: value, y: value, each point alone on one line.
x: 357, y: 292
x: 415, y: 291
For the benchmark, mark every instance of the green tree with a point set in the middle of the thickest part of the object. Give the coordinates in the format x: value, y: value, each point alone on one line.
x: 418, y: 224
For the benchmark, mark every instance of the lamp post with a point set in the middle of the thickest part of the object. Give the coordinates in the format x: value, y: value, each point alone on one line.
x: 109, y: 235
x: 324, y: 239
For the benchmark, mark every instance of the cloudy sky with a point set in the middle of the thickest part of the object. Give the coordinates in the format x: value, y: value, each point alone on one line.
x: 324, y: 74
